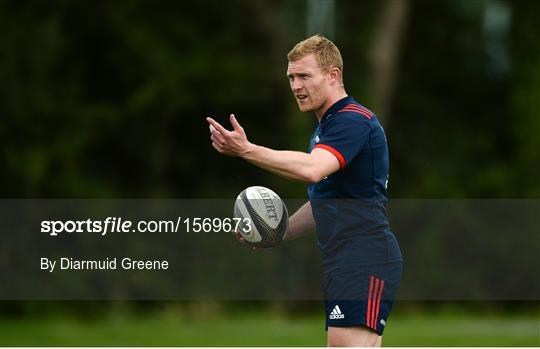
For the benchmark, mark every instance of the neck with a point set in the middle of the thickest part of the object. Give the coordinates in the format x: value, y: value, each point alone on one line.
x: 330, y: 102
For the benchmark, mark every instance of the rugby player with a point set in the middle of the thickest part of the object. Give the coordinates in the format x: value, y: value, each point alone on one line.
x: 346, y: 167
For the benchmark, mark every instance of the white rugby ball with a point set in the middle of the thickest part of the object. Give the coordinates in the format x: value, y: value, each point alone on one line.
x: 264, y: 216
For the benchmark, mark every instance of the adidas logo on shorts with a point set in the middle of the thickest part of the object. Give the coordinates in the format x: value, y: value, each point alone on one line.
x: 336, y: 314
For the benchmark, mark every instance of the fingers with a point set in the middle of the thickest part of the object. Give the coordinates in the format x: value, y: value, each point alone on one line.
x: 216, y: 126
x: 217, y: 147
x: 217, y: 137
x: 239, y: 238
x: 232, y: 143
x: 236, y: 126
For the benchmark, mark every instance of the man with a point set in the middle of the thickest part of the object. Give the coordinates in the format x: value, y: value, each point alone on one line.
x: 347, y: 168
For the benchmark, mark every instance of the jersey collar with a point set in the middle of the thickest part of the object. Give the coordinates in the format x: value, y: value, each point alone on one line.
x: 337, y: 106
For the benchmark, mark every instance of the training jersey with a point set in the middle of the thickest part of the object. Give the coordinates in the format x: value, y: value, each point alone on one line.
x: 349, y: 206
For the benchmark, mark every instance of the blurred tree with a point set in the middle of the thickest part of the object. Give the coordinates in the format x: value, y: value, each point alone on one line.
x: 524, y: 121
x: 385, y: 53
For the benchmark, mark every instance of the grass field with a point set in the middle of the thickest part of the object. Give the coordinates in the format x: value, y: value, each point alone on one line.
x: 263, y: 328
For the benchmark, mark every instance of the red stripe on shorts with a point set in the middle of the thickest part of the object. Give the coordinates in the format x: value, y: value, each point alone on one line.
x: 370, y: 294
x: 374, y: 303
x: 378, y: 304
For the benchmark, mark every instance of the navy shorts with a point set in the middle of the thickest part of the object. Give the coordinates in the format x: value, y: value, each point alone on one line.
x: 361, y: 296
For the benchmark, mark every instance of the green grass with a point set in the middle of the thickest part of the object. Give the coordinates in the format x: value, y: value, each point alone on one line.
x: 264, y: 328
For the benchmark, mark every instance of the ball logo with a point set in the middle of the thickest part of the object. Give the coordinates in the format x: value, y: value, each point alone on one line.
x: 269, y: 204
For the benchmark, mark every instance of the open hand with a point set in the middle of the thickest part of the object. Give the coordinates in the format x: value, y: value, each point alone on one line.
x: 232, y: 143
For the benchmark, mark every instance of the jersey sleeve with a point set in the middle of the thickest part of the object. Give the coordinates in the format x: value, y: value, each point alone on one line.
x: 344, y: 137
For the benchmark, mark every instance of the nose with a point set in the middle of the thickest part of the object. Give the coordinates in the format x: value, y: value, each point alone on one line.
x: 296, y: 84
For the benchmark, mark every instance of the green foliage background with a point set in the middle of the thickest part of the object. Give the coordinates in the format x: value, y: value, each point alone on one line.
x: 108, y: 99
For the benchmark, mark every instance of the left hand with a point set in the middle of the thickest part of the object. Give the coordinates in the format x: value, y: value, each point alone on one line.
x: 232, y: 143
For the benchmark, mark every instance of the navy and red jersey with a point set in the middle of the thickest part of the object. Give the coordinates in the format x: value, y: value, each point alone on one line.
x: 349, y: 206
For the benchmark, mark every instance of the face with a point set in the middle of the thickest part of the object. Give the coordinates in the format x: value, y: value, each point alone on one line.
x: 309, y: 84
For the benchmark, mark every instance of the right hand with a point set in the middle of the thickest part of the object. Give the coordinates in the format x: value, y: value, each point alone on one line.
x: 238, y: 236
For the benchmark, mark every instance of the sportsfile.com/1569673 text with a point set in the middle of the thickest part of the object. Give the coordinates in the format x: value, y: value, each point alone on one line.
x: 120, y: 225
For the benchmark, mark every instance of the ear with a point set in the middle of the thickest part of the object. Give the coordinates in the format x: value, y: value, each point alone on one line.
x: 335, y: 75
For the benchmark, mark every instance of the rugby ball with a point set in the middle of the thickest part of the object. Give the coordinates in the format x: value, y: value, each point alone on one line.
x: 264, y: 218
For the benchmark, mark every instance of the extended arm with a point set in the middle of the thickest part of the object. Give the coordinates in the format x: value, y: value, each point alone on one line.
x: 301, y: 223
x: 295, y: 165
x: 311, y: 168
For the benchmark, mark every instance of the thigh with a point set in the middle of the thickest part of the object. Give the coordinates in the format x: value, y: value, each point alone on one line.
x: 355, y: 336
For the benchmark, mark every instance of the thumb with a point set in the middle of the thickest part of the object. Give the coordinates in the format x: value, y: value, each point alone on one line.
x: 236, y: 126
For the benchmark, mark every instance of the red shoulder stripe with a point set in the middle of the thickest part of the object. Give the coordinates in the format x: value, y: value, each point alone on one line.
x: 358, y: 110
x: 355, y: 111
x: 359, y: 107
